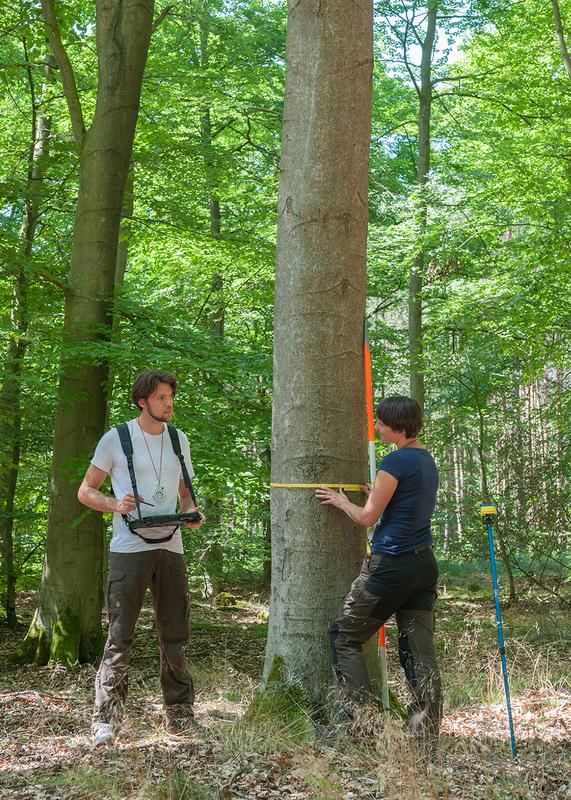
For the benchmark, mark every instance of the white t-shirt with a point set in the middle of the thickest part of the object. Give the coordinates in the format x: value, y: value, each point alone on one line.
x: 110, y: 458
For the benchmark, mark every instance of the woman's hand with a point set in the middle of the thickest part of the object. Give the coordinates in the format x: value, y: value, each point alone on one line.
x: 377, y: 499
x: 331, y: 497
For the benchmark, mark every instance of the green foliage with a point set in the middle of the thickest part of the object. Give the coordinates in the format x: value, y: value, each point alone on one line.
x: 201, y: 241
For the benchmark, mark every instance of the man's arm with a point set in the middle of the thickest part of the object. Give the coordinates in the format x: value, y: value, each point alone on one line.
x: 187, y: 504
x: 89, y: 494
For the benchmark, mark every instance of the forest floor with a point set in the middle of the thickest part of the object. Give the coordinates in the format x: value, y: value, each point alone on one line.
x: 45, y: 749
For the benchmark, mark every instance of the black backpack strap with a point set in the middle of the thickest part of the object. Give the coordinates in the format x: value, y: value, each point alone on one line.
x: 175, y: 441
x: 127, y: 447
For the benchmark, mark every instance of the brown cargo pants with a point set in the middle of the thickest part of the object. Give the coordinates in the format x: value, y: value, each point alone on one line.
x: 129, y: 576
x: 405, y: 586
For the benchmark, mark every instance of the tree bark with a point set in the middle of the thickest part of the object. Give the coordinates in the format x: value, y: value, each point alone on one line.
x: 319, y: 430
x: 67, y: 623
x: 120, y: 269
x: 214, y: 312
x: 416, y: 279
x: 561, y: 37
x: 10, y: 393
x: 487, y: 497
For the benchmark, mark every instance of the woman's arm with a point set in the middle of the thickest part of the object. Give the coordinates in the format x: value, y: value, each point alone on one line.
x: 378, y: 499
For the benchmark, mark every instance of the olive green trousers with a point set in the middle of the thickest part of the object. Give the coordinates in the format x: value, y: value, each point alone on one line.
x: 405, y: 586
x: 130, y: 574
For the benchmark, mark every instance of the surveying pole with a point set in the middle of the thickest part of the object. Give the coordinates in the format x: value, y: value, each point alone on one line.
x: 382, y: 647
x: 488, y: 513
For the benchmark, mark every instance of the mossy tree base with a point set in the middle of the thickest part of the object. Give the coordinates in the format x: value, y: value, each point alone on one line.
x: 35, y: 648
x: 63, y: 643
x: 281, y: 705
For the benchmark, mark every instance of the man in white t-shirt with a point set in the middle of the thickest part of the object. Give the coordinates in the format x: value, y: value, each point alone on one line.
x: 135, y: 564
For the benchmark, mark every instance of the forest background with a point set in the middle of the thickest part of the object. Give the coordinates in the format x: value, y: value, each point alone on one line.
x: 482, y: 339
x: 197, y: 296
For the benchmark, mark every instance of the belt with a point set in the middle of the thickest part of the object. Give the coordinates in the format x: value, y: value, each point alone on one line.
x: 414, y: 552
x: 418, y: 550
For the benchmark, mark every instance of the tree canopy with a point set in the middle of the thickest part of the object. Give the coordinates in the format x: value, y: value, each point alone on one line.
x: 200, y: 242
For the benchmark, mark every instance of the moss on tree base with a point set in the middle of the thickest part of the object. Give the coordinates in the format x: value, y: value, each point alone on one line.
x: 282, y: 706
x: 61, y: 646
x: 66, y: 634
x: 35, y: 648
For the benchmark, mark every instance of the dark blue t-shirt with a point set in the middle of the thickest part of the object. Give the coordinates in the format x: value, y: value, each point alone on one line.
x: 405, y: 523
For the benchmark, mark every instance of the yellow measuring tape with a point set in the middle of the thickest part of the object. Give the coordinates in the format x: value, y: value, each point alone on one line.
x: 349, y: 487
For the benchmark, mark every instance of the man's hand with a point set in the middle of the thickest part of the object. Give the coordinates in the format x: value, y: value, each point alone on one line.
x: 199, y: 523
x: 127, y: 504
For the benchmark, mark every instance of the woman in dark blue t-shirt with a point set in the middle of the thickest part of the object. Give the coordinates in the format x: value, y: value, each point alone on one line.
x: 401, y: 574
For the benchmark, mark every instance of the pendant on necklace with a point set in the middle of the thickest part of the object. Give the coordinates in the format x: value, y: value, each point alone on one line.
x: 159, y: 494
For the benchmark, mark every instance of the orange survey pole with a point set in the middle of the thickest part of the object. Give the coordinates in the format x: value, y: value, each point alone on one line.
x: 372, y: 476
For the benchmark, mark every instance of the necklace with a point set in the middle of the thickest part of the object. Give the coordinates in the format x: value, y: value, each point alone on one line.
x: 159, y: 494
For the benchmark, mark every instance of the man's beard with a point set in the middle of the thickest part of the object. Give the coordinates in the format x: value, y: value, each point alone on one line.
x: 157, y: 419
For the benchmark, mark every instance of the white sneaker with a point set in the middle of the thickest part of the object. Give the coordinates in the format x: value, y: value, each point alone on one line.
x: 102, y: 733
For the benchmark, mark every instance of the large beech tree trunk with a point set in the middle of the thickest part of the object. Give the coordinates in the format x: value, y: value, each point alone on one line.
x: 67, y: 623
x: 319, y: 432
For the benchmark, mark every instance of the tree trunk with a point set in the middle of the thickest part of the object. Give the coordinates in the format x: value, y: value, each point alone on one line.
x: 319, y: 430
x: 561, y: 37
x: 214, y: 559
x: 120, y: 269
x: 416, y: 279
x: 487, y: 498
x: 10, y: 393
x: 67, y: 623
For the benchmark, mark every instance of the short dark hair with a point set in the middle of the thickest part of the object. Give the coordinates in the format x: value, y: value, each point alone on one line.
x: 401, y: 414
x: 146, y: 383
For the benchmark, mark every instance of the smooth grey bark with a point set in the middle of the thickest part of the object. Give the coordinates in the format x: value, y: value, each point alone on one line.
x: 319, y: 428
x: 416, y: 279
x: 67, y: 623
x: 120, y: 269
x: 561, y: 37
x: 215, y: 311
x: 486, y: 495
x: 10, y: 392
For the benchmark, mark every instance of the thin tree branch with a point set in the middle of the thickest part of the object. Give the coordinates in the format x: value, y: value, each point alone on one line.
x: 36, y: 273
x: 34, y: 108
x: 66, y: 70
x: 164, y: 13
x: 452, y: 78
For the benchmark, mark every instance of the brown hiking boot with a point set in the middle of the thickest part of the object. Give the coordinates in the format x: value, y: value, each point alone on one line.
x: 179, y: 719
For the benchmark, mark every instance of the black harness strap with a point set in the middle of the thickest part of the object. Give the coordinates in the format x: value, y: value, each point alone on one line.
x: 127, y: 446
x: 175, y: 441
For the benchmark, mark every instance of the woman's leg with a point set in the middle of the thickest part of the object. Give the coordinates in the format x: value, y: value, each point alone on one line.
x: 415, y: 621
x: 352, y: 627
x: 382, y: 586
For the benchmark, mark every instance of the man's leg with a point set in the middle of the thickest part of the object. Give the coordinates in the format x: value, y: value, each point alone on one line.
x: 127, y: 582
x: 418, y: 659
x: 172, y: 609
